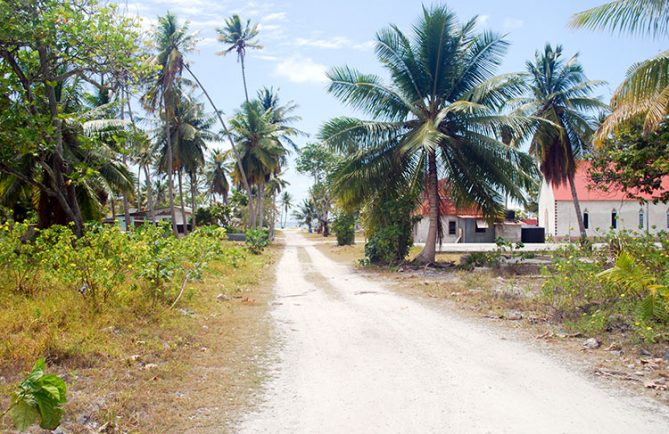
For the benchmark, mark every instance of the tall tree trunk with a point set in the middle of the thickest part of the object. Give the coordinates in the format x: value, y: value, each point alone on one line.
x: 242, y: 172
x: 193, y: 196
x: 170, y: 177
x: 273, y: 214
x: 246, y: 92
x: 184, y: 220
x: 150, y: 203
x: 429, y: 251
x: 126, y: 202
x: 261, y: 205
x: 139, y: 187
x: 65, y: 195
x: 577, y: 207
x: 113, y: 207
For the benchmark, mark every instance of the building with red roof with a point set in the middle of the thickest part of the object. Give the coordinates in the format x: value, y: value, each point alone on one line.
x: 603, y: 210
x: 464, y: 224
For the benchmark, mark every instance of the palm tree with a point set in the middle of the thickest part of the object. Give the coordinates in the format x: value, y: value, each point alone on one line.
x: 217, y: 174
x: 239, y: 37
x: 189, y: 135
x: 560, y: 93
x: 262, y: 154
x: 281, y: 115
x: 274, y: 187
x: 171, y: 40
x: 439, y: 117
x: 645, y: 91
x: 306, y: 213
x: 286, y: 203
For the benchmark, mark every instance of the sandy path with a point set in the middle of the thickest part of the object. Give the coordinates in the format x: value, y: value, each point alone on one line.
x: 357, y: 358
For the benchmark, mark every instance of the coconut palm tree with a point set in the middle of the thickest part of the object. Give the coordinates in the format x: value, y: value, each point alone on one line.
x: 306, y: 213
x: 239, y: 37
x: 190, y: 131
x: 286, y: 201
x: 645, y: 91
x: 273, y: 187
x: 438, y: 118
x: 262, y: 153
x: 172, y: 40
x: 217, y: 173
x: 560, y: 93
x: 281, y: 115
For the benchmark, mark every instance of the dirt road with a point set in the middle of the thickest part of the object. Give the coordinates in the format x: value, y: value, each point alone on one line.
x: 357, y: 358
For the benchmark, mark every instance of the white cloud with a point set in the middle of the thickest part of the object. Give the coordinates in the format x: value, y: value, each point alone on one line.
x: 275, y: 16
x: 301, y: 70
x: 482, y: 20
x: 332, y: 43
x: 336, y: 42
x: 513, y: 23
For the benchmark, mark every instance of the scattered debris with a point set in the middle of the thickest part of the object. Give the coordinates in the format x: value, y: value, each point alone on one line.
x: 591, y: 344
x: 149, y: 366
x: 222, y: 297
x: 610, y: 373
x: 513, y: 315
x: 657, y: 384
x: 615, y: 346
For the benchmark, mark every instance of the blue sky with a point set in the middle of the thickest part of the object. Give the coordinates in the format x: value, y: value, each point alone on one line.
x: 302, y: 39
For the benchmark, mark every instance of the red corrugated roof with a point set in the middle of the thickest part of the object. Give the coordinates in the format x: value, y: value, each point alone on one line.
x: 587, y: 191
x: 446, y: 205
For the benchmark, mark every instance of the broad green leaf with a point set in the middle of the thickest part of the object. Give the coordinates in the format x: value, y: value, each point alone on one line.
x: 23, y: 415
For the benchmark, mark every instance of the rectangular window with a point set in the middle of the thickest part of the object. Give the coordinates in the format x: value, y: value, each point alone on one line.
x: 641, y: 218
x: 586, y: 220
x: 614, y: 220
x: 481, y: 226
x: 451, y: 228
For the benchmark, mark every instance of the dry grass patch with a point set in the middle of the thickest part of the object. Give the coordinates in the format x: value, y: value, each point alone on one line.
x: 151, y: 369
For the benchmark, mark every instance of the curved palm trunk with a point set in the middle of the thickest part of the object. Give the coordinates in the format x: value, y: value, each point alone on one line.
x: 429, y: 251
x: 149, y: 194
x: 126, y: 202
x: 242, y: 172
x: 246, y: 92
x: 184, y: 221
x: 577, y: 207
x: 261, y: 204
x: 193, y: 196
x: 170, y: 175
x: 139, y: 187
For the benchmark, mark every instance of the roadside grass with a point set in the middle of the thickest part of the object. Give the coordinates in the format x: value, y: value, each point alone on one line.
x: 144, y: 367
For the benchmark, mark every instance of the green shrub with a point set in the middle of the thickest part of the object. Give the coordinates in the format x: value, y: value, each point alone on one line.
x: 628, y: 278
x: 388, y: 225
x: 257, y: 240
x: 39, y: 398
x: 344, y: 228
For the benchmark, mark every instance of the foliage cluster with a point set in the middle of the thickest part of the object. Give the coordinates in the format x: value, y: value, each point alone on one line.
x: 624, y: 284
x: 344, y: 228
x: 106, y: 264
x: 388, y: 224
x: 39, y: 397
x: 257, y: 240
x: 634, y: 162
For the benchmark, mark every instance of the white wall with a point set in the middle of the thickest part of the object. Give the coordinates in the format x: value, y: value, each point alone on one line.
x: 421, y: 228
x: 600, y: 217
x: 546, y: 212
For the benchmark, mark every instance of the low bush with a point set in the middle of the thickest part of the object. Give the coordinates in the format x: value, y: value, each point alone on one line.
x: 38, y: 399
x: 257, y: 240
x: 627, y: 280
x: 388, y: 225
x: 344, y: 228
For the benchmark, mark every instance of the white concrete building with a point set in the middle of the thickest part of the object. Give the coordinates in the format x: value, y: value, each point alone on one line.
x: 602, y: 210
